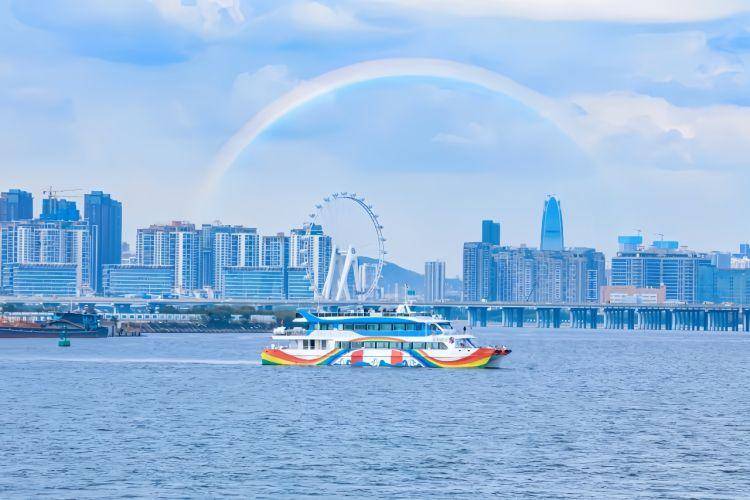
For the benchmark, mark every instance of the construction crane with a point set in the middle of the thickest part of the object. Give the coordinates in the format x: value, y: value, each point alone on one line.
x: 53, y: 193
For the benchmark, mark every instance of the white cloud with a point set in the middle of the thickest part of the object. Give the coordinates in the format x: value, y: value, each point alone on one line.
x: 473, y: 134
x: 209, y: 17
x: 251, y: 90
x: 316, y: 15
x: 627, y: 126
x: 682, y: 57
x: 571, y: 10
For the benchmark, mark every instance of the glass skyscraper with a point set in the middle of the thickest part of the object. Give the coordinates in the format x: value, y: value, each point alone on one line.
x: 490, y: 232
x: 16, y: 205
x: 104, y: 213
x: 58, y: 209
x: 552, y: 226
x: 661, y: 264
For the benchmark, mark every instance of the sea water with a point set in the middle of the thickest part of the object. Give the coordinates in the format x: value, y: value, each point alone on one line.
x: 572, y: 414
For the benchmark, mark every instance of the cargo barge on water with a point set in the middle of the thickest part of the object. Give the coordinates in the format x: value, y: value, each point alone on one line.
x: 70, y: 325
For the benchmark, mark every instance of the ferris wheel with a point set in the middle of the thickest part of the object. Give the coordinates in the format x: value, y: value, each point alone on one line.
x: 344, y: 248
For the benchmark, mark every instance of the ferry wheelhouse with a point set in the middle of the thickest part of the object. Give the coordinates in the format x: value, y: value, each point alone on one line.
x: 378, y: 338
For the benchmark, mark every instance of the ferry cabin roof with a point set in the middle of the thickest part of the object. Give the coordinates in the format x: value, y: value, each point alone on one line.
x: 401, y: 326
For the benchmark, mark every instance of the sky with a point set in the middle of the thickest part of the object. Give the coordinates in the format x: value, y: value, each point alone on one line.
x: 137, y: 98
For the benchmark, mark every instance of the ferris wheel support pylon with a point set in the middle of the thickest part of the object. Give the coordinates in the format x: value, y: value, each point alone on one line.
x: 343, y: 265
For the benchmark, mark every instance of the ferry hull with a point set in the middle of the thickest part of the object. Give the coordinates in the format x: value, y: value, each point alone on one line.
x: 484, y: 357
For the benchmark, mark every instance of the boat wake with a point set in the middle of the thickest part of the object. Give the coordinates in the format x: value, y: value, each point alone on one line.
x: 164, y: 361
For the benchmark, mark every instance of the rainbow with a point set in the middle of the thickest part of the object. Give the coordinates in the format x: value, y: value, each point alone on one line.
x: 562, y: 114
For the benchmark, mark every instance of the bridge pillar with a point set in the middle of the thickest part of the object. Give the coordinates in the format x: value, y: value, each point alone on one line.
x: 477, y: 316
x: 444, y: 312
x: 546, y: 317
x: 746, y: 320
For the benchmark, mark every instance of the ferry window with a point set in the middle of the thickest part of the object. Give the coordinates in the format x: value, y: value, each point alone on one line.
x: 433, y: 327
x: 360, y: 326
x: 322, y: 344
x: 372, y: 326
x: 305, y: 343
x: 441, y: 345
x: 324, y: 326
x: 394, y: 345
x: 410, y: 326
x: 370, y: 345
x: 408, y: 345
x: 419, y: 345
x: 356, y: 345
x: 345, y: 345
x: 386, y: 326
x: 382, y: 345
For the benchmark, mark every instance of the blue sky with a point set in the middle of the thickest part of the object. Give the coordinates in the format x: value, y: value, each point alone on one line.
x: 136, y: 97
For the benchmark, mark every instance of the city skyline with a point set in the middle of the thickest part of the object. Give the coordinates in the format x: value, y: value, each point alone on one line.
x: 51, y: 206
x: 661, y: 145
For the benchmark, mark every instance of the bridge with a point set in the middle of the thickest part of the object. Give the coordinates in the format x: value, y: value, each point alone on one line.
x: 707, y: 317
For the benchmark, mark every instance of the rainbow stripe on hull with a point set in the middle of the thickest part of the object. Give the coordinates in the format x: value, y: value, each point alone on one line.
x: 279, y: 357
x: 480, y: 358
x: 477, y: 359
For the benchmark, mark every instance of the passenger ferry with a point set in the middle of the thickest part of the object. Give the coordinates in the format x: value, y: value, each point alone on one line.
x: 378, y: 338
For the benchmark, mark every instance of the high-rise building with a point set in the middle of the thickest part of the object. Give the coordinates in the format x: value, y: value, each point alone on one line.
x: 661, y: 264
x: 552, y: 226
x: 572, y: 276
x: 311, y: 250
x: 490, y: 232
x: 104, y: 213
x: 28, y: 248
x: 174, y: 245
x: 434, y: 280
x: 132, y: 280
x: 478, y: 272
x: 224, y: 246
x: 59, y: 209
x: 722, y: 286
x: 16, y: 204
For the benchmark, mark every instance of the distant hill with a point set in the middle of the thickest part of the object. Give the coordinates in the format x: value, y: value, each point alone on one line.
x: 393, y: 273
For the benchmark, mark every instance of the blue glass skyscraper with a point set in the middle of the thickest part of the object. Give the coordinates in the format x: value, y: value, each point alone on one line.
x: 552, y: 226
x: 490, y: 232
x: 16, y: 205
x: 58, y: 209
x: 104, y: 213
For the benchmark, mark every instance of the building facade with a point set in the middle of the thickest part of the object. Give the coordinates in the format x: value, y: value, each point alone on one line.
x: 16, y: 204
x: 478, y: 272
x: 59, y: 209
x: 105, y: 213
x: 434, y: 281
x: 664, y: 264
x: 175, y: 245
x: 120, y: 280
x: 490, y: 232
x: 573, y: 276
x: 27, y: 248
x: 723, y: 285
x: 552, y: 238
